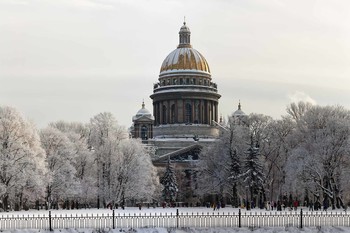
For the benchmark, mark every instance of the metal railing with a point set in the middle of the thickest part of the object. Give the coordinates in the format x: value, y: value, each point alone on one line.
x: 176, y: 220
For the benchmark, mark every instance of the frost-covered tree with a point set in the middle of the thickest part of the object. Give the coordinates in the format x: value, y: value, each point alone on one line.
x: 60, y: 156
x: 235, y: 139
x: 105, y: 136
x: 321, y: 152
x: 22, y: 160
x: 257, y: 125
x: 220, y: 164
x: 235, y: 171
x: 214, y: 166
x: 169, y: 183
x: 124, y: 169
x: 78, y: 135
x: 275, y: 149
x: 297, y: 110
x: 252, y: 174
x: 133, y: 174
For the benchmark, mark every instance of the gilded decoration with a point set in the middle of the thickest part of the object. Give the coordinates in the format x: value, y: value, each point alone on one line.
x: 185, y: 59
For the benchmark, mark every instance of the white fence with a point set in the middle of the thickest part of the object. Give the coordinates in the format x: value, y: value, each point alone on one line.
x: 218, y: 219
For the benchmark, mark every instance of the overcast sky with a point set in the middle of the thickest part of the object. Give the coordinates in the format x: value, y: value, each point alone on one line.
x: 72, y: 59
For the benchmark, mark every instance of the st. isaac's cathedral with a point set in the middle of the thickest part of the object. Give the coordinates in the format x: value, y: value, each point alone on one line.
x: 185, y: 110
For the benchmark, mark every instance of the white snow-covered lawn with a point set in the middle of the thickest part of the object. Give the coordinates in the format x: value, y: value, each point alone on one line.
x: 162, y: 211
x: 157, y: 210
x: 194, y: 230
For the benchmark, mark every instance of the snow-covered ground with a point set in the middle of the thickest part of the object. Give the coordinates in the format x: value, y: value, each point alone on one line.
x: 194, y: 230
x: 163, y: 211
x: 157, y: 210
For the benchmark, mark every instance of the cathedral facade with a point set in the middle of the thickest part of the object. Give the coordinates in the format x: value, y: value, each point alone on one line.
x: 185, y: 110
x: 185, y: 102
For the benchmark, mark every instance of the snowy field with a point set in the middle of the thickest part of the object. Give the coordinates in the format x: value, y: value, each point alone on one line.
x: 194, y: 230
x: 169, y: 211
x: 157, y: 210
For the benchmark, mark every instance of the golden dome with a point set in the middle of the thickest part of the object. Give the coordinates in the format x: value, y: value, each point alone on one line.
x: 185, y: 57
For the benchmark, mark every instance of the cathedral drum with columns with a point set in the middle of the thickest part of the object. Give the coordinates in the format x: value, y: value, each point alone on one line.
x: 185, y: 100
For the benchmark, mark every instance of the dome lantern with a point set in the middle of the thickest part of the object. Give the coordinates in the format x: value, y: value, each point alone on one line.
x: 184, y: 37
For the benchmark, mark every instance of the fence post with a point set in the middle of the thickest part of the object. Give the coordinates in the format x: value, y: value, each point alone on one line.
x: 301, y: 218
x: 239, y: 218
x: 50, y: 225
x: 177, y: 218
x: 113, y: 220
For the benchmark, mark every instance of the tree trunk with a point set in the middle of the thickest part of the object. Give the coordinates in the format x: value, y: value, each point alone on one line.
x: 235, y: 202
x: 5, y: 202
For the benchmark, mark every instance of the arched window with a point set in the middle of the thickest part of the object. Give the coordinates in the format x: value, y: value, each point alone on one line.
x: 197, y: 114
x: 164, y: 121
x: 172, y: 114
x: 144, y: 132
x: 210, y: 114
x: 188, y: 111
x: 204, y: 114
x: 158, y: 114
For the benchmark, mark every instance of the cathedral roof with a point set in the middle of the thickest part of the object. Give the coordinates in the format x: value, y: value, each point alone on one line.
x: 184, y: 57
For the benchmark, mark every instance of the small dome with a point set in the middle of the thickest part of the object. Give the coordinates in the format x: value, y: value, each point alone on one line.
x: 184, y: 28
x: 143, y: 111
x: 238, y: 112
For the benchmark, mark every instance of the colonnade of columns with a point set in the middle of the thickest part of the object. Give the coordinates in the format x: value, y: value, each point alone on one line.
x: 187, y: 111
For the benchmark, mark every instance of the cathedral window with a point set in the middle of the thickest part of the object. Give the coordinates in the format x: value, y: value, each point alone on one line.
x: 172, y: 114
x: 144, y: 132
x: 188, y: 111
x: 164, y: 121
x: 157, y: 115
x: 197, y: 116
